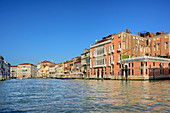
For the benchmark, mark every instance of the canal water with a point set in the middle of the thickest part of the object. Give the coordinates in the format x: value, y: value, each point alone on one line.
x: 54, y: 95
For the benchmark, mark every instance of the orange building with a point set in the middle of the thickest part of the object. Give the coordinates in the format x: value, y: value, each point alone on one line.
x: 106, y: 54
x: 72, y: 68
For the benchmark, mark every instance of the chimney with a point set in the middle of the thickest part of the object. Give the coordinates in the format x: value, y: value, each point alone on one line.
x: 162, y: 32
x: 129, y: 31
x: 152, y: 34
x: 126, y: 30
x: 138, y: 33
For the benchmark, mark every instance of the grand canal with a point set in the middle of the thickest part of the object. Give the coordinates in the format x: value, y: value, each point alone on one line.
x: 54, y: 95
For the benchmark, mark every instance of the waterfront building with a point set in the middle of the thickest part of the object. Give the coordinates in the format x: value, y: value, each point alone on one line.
x: 72, y: 68
x: 4, y: 69
x: 107, y: 54
x: 52, y: 71
x: 59, y: 69
x: 85, y: 63
x: 77, y: 67
x: 43, y: 68
x: 66, y: 68
x: 13, y: 72
x: 146, y: 67
x: 26, y: 70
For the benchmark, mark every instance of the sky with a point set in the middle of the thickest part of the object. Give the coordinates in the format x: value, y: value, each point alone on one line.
x: 59, y: 30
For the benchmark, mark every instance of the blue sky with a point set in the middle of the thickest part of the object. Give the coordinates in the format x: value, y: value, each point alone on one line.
x: 58, y: 30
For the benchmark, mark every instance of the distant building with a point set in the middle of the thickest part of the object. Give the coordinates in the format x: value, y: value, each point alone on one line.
x: 52, y: 71
x: 77, y: 67
x: 85, y: 63
x: 14, y: 71
x: 44, y: 67
x: 27, y: 70
x: 59, y: 69
x: 4, y: 69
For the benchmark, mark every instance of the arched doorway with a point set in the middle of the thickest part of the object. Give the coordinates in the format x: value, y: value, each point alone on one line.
x: 102, y: 73
x: 97, y: 73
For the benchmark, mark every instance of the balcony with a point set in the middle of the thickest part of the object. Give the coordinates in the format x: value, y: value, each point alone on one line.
x: 118, y: 61
x: 105, y: 53
x: 109, y: 64
x: 103, y: 65
x: 119, y: 49
x: 112, y: 62
x: 112, y: 51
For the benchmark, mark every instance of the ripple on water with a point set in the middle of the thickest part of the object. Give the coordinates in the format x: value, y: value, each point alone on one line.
x: 52, y: 95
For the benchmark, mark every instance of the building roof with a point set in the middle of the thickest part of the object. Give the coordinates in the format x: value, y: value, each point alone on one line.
x: 14, y: 66
x: 27, y: 64
x: 45, y: 61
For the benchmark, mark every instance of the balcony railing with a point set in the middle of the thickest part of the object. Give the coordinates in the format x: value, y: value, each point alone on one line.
x: 103, y: 65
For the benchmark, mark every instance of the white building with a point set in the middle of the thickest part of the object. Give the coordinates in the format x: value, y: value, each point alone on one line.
x: 52, y: 71
x: 4, y: 69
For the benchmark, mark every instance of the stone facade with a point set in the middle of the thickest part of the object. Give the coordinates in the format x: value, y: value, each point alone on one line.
x: 85, y: 63
x: 4, y: 69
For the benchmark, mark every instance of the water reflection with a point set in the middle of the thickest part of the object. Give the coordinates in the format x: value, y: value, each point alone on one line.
x: 51, y: 95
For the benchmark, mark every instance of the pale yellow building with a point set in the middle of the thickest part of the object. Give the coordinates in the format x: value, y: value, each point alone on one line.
x: 26, y: 70
x: 13, y: 72
x: 59, y: 69
x: 43, y: 68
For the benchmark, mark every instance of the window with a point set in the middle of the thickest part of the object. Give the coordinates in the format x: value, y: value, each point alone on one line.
x: 141, y: 63
x: 129, y: 64
x: 105, y: 70
x: 132, y: 64
x: 113, y: 58
x: 105, y: 49
x: 153, y: 63
x: 166, y: 45
x: 146, y: 63
x: 110, y: 70
x: 105, y: 60
x: 119, y: 56
x: 119, y: 45
x: 132, y: 72
x: 158, y: 47
x: 141, y: 71
x: 146, y: 71
x: 128, y: 71
x: 110, y: 61
x: 94, y: 72
x: 113, y: 46
x: 136, y: 47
